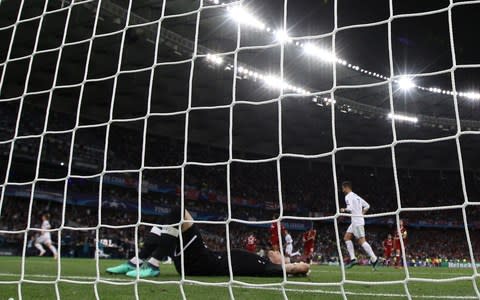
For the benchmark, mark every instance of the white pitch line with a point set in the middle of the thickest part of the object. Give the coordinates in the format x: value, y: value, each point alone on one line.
x: 306, y: 291
x: 318, y: 291
x: 379, y: 271
x: 64, y: 277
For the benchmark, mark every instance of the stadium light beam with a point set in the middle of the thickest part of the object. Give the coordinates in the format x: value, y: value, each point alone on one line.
x: 403, y: 118
x: 282, y: 36
x: 472, y: 95
x: 275, y: 82
x: 406, y: 83
x: 241, y: 15
x: 218, y: 60
x: 312, y: 50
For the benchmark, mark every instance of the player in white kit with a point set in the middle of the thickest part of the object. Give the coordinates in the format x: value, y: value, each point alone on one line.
x: 289, y: 247
x: 45, y: 238
x: 357, y: 207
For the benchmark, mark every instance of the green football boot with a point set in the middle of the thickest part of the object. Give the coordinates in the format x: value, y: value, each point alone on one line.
x: 145, y: 271
x: 121, y: 269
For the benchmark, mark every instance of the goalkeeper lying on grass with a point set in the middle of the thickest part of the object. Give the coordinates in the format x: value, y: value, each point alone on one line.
x: 198, y: 259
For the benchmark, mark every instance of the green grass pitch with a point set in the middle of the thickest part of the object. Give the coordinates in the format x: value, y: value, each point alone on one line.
x: 84, y: 271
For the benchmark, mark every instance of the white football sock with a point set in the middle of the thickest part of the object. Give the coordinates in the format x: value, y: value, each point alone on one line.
x: 350, y: 249
x: 136, y: 261
x: 366, y: 246
x: 53, y: 249
x: 154, y: 262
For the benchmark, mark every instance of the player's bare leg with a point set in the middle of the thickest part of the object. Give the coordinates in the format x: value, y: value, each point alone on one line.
x: 398, y: 259
x: 296, y: 253
x: 53, y: 249
x: 308, y: 256
x: 40, y: 248
x: 386, y: 261
x: 351, y: 251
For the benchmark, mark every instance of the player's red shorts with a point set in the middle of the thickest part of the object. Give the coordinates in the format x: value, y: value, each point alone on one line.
x: 308, y: 251
x: 274, y: 241
x: 387, y: 253
x: 397, y: 245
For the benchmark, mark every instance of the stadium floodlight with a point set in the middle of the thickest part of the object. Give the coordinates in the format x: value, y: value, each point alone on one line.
x: 215, y: 59
x: 403, y: 118
x: 243, y: 16
x: 329, y: 100
x: 406, y: 83
x: 318, y: 52
x: 282, y: 36
x: 472, y: 95
x: 275, y: 82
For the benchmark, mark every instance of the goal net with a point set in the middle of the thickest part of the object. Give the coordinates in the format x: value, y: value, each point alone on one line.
x: 247, y: 113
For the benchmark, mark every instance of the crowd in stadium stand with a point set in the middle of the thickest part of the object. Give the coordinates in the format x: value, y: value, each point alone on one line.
x: 307, y: 190
x: 423, y: 243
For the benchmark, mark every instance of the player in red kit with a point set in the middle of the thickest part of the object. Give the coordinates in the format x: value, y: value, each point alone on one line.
x: 251, y: 245
x: 309, y: 243
x: 387, y: 249
x: 397, y: 247
x: 274, y: 238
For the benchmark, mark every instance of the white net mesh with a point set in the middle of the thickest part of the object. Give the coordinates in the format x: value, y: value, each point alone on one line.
x: 130, y: 22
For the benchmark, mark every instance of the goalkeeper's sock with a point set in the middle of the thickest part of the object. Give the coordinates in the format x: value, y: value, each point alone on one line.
x: 135, y: 261
x: 366, y: 246
x: 351, y: 250
x: 154, y: 262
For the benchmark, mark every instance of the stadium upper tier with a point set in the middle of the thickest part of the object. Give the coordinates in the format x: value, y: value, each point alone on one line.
x: 357, y: 108
x: 306, y: 184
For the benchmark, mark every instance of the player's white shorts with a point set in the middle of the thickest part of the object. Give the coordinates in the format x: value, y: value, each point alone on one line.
x: 289, y: 249
x: 44, y: 239
x: 357, y: 230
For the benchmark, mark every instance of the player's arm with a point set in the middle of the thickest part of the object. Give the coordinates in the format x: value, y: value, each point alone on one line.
x: 297, y: 268
x: 348, y: 208
x: 365, y: 206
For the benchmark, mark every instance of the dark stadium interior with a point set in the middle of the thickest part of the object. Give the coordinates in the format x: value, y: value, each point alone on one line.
x: 139, y: 105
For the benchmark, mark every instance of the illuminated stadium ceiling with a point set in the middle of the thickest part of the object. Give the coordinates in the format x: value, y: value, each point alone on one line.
x: 229, y: 11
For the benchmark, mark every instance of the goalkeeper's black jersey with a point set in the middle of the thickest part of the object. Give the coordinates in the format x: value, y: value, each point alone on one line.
x: 201, y: 261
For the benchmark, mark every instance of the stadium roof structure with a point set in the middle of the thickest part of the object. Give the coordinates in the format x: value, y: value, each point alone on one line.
x: 361, y: 117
